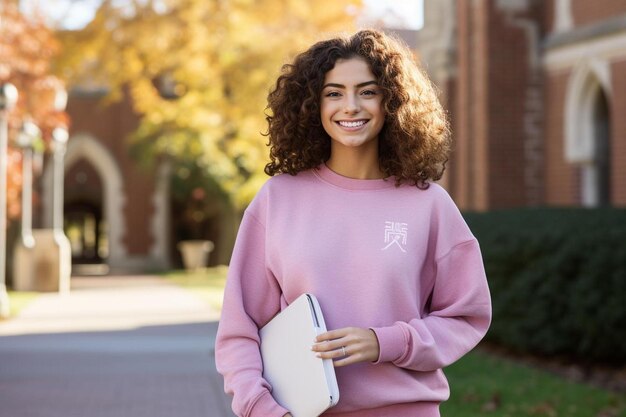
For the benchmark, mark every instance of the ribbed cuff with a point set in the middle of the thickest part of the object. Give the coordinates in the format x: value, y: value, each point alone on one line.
x: 392, y: 343
x: 266, y: 406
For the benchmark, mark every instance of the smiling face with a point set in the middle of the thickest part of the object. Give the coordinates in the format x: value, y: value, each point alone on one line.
x: 351, y: 106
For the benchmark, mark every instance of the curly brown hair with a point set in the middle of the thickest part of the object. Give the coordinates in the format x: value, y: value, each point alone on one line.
x: 415, y: 140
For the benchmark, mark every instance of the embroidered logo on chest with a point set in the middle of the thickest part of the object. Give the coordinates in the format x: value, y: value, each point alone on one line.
x: 395, y: 236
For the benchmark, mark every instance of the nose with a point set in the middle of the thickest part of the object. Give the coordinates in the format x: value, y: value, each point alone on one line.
x: 352, y: 104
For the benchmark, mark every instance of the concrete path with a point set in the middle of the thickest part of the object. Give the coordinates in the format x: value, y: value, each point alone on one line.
x: 130, y: 346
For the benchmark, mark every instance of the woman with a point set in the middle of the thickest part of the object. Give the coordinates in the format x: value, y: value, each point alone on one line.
x: 357, y: 135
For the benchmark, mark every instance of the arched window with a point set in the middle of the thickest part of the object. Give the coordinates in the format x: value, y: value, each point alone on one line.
x: 602, y: 150
x: 587, y: 131
x: 87, y: 148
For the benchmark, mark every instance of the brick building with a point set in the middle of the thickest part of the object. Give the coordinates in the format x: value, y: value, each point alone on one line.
x: 119, y: 216
x: 115, y: 213
x: 535, y: 91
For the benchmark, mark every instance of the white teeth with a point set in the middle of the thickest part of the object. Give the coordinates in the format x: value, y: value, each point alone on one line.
x: 352, y: 124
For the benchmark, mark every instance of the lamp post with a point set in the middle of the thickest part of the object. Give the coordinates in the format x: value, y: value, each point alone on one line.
x: 8, y: 100
x: 23, y: 256
x: 25, y: 140
x: 60, y: 137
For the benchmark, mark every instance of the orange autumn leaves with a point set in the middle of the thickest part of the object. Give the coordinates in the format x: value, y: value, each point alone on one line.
x: 27, y: 48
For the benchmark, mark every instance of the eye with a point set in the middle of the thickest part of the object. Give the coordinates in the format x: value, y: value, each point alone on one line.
x: 369, y: 92
x: 332, y: 94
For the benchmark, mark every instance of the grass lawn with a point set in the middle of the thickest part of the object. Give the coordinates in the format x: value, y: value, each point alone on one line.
x: 208, y: 284
x: 18, y: 300
x: 483, y: 385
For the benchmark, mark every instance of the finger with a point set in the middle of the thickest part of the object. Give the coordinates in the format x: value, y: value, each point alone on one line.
x: 346, y: 360
x: 329, y: 345
x: 333, y: 334
x: 343, y: 362
x: 332, y: 354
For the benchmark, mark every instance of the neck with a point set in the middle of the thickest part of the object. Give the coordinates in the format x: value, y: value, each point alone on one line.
x: 354, y: 163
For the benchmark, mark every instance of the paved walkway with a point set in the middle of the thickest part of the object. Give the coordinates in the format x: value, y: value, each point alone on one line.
x: 116, y: 346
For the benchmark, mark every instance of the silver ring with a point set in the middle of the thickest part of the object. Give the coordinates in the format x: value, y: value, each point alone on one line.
x: 343, y: 349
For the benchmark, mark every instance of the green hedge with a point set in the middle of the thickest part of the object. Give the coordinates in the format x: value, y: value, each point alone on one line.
x: 557, y: 279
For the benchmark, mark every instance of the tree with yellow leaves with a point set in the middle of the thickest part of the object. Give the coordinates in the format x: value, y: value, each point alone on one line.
x: 198, y: 72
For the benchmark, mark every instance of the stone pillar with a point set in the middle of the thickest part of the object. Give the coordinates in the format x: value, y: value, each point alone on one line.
x: 63, y: 270
x: 53, y: 253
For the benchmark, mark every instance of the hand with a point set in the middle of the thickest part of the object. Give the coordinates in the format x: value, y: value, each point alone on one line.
x: 360, y: 345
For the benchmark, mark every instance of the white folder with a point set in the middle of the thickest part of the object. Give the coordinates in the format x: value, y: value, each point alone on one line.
x: 301, y: 382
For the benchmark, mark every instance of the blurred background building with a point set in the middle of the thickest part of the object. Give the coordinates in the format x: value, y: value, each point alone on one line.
x: 116, y: 214
x: 536, y: 91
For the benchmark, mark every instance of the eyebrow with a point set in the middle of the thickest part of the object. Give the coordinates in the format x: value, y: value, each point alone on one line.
x: 343, y: 86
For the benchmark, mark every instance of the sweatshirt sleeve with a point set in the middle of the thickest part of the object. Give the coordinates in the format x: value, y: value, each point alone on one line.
x: 251, y: 299
x: 458, y: 318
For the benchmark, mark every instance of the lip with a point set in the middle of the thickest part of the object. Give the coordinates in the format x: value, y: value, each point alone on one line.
x: 352, y: 129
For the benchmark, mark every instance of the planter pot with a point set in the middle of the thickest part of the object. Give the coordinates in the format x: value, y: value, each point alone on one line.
x: 195, y: 253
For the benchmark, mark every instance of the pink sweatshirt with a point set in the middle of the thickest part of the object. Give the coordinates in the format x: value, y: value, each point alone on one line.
x: 400, y: 261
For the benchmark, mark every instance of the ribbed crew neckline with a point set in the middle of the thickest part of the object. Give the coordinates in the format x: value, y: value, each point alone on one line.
x: 328, y: 175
